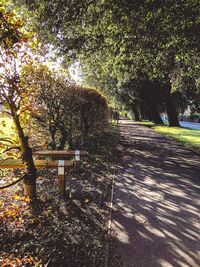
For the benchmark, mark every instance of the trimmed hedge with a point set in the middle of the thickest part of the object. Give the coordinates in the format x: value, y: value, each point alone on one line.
x: 70, y: 113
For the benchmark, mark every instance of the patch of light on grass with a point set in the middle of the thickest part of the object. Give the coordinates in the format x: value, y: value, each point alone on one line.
x: 146, y: 123
x: 188, y: 137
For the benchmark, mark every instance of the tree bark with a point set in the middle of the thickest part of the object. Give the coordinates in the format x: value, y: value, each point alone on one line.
x: 30, y: 177
x: 84, y: 122
x: 155, y: 115
x: 52, y: 132
x: 63, y: 139
x: 136, y: 113
x: 171, y: 111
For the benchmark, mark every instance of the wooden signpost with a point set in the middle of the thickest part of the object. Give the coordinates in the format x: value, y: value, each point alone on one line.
x: 61, y: 176
x: 62, y: 164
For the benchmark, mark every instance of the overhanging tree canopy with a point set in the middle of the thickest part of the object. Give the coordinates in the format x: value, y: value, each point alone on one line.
x: 156, y: 39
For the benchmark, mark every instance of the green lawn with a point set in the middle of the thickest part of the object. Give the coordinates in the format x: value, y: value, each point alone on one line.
x: 189, y: 137
x: 145, y: 123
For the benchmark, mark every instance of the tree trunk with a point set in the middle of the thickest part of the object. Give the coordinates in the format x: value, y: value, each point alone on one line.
x: 171, y: 111
x: 157, y: 119
x: 30, y: 177
x: 70, y: 138
x: 52, y: 132
x: 84, y: 123
x: 63, y: 139
x: 136, y: 113
x: 86, y: 127
x: 156, y: 116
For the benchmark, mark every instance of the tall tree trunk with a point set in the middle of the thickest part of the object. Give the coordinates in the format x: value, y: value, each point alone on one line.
x: 52, y: 132
x: 63, y: 139
x: 136, y: 113
x: 171, y: 111
x: 86, y: 128
x: 156, y: 118
x: 70, y: 138
x: 84, y: 122
x: 30, y: 178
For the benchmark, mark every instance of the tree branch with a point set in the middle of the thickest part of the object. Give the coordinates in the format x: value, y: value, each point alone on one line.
x: 13, y: 183
x: 11, y: 148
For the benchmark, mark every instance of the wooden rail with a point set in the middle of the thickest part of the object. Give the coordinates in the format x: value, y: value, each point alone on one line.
x: 61, y: 165
x: 59, y: 153
x: 39, y: 164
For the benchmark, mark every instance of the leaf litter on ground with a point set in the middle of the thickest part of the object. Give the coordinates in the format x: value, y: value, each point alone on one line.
x: 60, y: 232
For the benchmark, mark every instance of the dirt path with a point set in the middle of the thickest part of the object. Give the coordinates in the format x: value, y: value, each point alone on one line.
x: 156, y: 217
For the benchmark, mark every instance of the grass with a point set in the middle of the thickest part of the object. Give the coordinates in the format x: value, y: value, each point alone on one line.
x: 188, y: 137
x: 145, y: 123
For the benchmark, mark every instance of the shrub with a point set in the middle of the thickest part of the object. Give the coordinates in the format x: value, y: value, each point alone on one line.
x: 195, y: 116
x: 69, y: 112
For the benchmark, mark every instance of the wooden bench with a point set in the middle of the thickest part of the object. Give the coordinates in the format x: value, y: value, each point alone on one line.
x: 62, y: 164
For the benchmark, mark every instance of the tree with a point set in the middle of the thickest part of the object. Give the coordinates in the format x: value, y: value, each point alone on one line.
x: 145, y: 99
x: 147, y: 37
x: 15, y: 94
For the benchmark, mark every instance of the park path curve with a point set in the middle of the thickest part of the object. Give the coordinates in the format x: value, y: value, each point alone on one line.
x: 156, y: 212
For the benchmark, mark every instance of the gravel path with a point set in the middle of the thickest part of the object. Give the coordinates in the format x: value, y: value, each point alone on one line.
x: 156, y: 217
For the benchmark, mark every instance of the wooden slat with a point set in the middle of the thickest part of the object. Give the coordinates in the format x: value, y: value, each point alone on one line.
x: 39, y: 164
x: 58, y: 153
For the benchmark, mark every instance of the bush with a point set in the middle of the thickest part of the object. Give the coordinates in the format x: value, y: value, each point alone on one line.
x: 69, y: 112
x: 195, y: 116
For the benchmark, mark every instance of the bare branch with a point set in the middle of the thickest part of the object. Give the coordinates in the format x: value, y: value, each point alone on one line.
x: 11, y: 148
x: 13, y: 183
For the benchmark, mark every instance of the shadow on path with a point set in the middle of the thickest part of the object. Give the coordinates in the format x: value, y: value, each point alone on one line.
x: 156, y: 217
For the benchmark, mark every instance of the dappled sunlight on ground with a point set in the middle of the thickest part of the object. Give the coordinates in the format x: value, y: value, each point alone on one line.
x: 156, y: 218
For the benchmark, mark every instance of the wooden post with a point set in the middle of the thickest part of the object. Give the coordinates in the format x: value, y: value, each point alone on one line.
x: 62, y: 165
x: 61, y: 176
x: 77, y: 160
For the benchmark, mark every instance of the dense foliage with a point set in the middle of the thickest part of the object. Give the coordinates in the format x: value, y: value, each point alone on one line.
x: 15, y: 92
x: 123, y: 42
x: 68, y: 112
x: 32, y: 94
